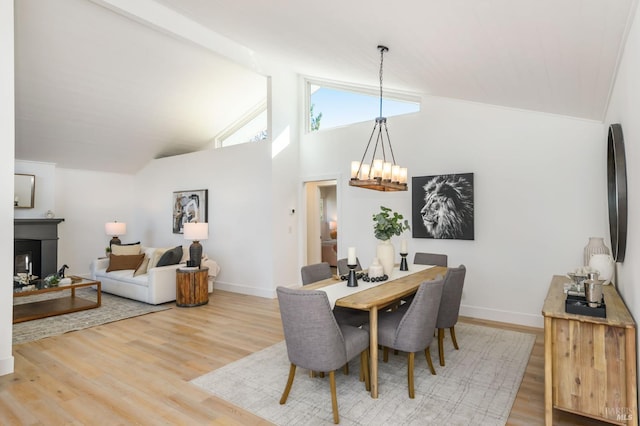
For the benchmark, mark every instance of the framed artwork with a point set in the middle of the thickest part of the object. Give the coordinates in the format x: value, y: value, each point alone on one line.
x: 189, y: 206
x: 442, y: 207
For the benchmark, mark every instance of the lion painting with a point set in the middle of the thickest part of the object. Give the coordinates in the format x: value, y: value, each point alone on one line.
x: 443, y: 204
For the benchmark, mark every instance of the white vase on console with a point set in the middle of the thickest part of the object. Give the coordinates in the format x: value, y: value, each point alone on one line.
x: 594, y: 246
x: 604, y: 264
x: 386, y: 254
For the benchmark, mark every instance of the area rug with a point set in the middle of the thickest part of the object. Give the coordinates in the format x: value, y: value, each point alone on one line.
x: 476, y: 387
x: 113, y: 308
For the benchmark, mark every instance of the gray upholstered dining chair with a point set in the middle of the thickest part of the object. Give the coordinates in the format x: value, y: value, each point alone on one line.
x: 316, y: 341
x: 316, y: 272
x: 344, y: 269
x: 450, y: 307
x: 322, y: 271
x: 411, y: 330
x: 436, y: 259
x: 421, y: 258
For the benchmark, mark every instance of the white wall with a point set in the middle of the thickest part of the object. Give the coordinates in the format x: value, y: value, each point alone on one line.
x: 44, y: 197
x: 7, y: 143
x: 239, y: 212
x: 285, y: 184
x: 624, y: 108
x: 86, y: 200
x: 540, y: 192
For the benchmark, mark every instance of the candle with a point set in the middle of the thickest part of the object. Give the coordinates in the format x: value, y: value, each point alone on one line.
x: 30, y: 269
x: 395, y: 173
x: 386, y: 170
x: 355, y: 166
x: 403, y: 247
x: 403, y: 175
x: 377, y: 168
x: 351, y: 256
x: 26, y: 262
x: 364, y: 172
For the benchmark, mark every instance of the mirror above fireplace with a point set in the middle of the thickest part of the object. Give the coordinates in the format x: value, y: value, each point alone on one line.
x: 24, y: 191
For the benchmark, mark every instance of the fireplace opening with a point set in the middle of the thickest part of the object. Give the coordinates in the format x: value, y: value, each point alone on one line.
x: 27, y: 256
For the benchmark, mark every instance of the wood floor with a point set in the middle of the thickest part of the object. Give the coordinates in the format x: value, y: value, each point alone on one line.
x: 137, y: 371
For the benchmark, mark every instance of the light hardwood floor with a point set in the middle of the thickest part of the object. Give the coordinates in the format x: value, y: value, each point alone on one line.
x: 137, y: 371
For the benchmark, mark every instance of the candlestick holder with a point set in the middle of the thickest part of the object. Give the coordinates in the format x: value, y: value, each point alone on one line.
x: 352, y: 281
x: 403, y: 263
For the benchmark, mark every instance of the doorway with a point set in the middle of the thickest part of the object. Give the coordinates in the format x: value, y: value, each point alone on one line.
x: 322, y: 222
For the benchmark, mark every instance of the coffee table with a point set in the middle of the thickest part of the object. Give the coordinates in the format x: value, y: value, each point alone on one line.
x: 68, y: 302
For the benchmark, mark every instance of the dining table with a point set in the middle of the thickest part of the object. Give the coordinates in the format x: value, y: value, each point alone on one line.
x: 376, y: 296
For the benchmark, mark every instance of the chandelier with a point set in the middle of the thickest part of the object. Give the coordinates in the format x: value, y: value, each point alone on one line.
x: 381, y: 174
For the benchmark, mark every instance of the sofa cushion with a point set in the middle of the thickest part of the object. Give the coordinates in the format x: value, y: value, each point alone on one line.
x: 142, y: 269
x: 122, y: 262
x: 125, y: 249
x: 155, y: 256
x: 171, y: 257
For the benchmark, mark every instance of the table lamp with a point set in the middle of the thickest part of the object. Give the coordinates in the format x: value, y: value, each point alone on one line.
x: 196, y: 231
x: 114, y: 229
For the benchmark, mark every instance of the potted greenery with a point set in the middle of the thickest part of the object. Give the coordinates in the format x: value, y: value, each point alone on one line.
x: 386, y: 224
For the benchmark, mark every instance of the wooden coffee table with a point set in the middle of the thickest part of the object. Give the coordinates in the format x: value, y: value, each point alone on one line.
x: 68, y: 302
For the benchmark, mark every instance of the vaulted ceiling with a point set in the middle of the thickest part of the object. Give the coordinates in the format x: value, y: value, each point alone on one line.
x: 111, y: 84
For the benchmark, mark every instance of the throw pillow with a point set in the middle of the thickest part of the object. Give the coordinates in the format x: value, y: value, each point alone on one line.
x: 122, y: 262
x: 142, y: 269
x: 155, y: 257
x: 171, y: 257
x: 125, y: 249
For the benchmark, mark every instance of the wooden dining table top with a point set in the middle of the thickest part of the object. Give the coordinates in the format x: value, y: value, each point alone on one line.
x: 384, y: 294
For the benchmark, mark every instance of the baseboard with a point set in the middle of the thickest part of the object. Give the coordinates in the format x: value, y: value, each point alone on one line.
x: 242, y: 289
x: 6, y: 366
x: 511, y: 317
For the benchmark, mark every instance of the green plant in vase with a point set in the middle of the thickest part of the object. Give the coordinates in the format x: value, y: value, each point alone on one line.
x: 386, y: 224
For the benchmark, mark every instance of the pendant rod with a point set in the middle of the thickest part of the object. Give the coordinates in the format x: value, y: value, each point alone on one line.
x: 382, y: 50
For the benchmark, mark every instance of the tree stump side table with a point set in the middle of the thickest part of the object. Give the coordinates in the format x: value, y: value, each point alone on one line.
x: 192, y: 287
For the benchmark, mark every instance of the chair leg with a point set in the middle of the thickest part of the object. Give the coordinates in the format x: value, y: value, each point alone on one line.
x: 385, y: 354
x: 453, y: 337
x: 334, y: 396
x: 287, y: 388
x: 364, y: 368
x: 410, y: 374
x: 427, y: 354
x: 345, y: 369
x: 441, y: 345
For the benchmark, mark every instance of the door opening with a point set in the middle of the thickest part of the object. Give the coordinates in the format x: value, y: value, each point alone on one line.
x: 322, y: 222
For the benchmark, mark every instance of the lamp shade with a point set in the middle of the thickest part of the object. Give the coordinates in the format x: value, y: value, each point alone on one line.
x: 196, y: 231
x: 115, y: 228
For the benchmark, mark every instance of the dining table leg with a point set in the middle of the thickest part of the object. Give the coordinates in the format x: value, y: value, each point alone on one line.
x: 373, y: 347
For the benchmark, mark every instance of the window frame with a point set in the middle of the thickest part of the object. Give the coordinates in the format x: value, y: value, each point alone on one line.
x: 245, y: 119
x: 388, y: 94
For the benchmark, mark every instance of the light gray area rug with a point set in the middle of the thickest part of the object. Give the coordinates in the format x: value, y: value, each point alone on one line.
x: 476, y: 387
x: 112, y: 308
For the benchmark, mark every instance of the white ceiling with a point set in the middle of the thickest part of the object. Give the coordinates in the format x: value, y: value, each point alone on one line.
x: 95, y: 89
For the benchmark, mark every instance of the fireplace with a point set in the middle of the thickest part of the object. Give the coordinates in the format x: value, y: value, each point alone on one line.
x: 26, y: 257
x: 35, y: 242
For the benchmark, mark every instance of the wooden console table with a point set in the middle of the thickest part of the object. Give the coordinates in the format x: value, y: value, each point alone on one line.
x: 192, y: 287
x: 589, y: 362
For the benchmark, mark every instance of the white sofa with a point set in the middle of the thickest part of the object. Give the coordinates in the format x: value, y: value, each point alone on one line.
x: 157, y: 286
